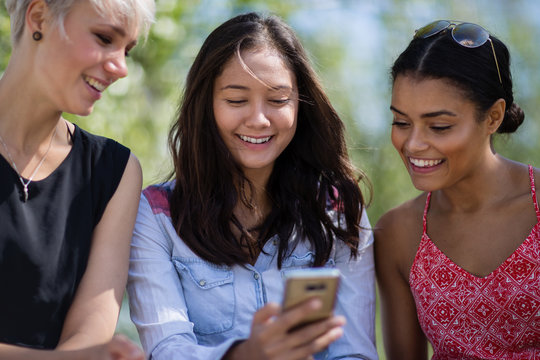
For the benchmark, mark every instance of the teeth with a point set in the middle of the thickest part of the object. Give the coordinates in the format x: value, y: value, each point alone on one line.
x: 424, y: 163
x: 254, y: 140
x: 95, y: 84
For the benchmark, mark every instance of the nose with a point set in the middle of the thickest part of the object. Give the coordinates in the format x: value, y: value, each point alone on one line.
x: 417, y: 141
x: 257, y: 117
x: 116, y: 65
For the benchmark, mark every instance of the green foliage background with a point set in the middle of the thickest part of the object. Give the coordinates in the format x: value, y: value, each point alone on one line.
x: 138, y: 110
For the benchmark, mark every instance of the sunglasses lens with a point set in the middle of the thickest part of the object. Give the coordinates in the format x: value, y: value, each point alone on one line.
x: 431, y: 29
x: 470, y: 35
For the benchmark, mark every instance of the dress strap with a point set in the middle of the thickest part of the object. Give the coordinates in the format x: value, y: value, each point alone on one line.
x: 533, y: 192
x: 69, y: 131
x: 424, y: 218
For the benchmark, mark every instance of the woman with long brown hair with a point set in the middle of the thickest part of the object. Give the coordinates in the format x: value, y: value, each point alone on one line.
x: 262, y: 185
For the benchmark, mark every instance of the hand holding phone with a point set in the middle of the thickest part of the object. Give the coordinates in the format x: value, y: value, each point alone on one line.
x: 304, y: 284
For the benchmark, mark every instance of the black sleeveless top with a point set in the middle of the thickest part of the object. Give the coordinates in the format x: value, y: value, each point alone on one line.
x: 45, y: 242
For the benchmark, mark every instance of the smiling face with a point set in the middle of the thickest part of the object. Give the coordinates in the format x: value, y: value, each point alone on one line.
x: 256, y: 116
x: 436, y: 132
x: 74, y: 71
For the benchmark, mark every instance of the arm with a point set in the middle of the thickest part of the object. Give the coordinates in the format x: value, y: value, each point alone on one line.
x: 355, y: 303
x: 356, y: 299
x: 92, y: 317
x: 394, y: 254
x: 156, y: 297
x: 160, y: 312
x: 271, y: 338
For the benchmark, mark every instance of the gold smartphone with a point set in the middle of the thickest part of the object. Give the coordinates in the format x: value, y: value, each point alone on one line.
x: 304, y: 284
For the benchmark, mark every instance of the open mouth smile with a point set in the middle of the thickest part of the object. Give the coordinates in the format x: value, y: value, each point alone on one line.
x: 253, y: 140
x: 95, y: 83
x: 421, y: 163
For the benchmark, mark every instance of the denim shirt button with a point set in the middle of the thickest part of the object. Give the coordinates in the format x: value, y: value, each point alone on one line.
x: 202, y: 282
x: 256, y: 276
x: 274, y: 242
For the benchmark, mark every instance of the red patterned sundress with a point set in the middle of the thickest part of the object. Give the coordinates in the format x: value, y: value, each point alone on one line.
x: 467, y: 317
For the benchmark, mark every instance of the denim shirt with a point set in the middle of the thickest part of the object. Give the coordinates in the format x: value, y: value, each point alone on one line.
x: 187, y: 308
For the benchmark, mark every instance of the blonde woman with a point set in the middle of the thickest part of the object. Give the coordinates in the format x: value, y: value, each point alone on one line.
x: 68, y: 199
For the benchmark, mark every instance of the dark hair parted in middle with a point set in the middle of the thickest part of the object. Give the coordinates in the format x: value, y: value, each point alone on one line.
x: 313, y: 170
x: 472, y: 70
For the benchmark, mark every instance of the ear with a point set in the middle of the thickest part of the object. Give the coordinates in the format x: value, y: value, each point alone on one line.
x: 36, y: 14
x: 495, y: 116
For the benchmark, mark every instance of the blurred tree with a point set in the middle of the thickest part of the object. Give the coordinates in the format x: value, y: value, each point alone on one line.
x: 352, y: 45
x: 5, y: 43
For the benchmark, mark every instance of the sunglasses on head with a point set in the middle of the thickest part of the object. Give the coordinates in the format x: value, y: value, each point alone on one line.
x: 465, y: 34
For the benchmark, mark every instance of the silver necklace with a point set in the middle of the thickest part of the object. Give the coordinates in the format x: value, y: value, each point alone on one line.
x: 25, y: 184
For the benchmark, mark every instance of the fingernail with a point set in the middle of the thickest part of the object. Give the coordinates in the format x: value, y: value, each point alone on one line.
x: 337, y: 332
x: 341, y: 320
x: 316, y: 303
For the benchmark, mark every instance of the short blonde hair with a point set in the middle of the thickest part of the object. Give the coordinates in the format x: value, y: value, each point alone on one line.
x: 139, y: 13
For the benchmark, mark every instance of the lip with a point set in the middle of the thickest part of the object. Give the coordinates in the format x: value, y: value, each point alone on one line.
x: 97, y: 86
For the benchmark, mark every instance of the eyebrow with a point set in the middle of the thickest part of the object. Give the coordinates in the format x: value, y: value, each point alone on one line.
x: 242, y: 87
x: 120, y: 31
x: 234, y: 87
x: 427, y: 115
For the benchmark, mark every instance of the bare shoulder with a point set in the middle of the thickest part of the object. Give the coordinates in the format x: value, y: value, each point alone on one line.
x: 398, y: 233
x: 403, y: 220
x: 519, y: 173
x: 133, y: 167
x: 131, y: 182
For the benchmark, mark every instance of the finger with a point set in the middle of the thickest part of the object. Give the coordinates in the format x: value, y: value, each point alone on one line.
x: 310, y: 333
x: 317, y: 345
x: 262, y: 330
x: 276, y: 331
x: 266, y: 313
x: 294, y: 316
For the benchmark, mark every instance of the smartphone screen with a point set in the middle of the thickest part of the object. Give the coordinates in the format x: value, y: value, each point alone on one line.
x: 304, y: 284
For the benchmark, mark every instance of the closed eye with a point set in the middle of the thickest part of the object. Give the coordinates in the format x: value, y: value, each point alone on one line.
x: 400, y: 124
x: 235, y: 102
x: 104, y: 39
x: 280, y: 101
x: 441, y: 128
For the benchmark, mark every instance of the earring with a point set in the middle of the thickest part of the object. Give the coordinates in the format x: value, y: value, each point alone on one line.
x: 37, y: 35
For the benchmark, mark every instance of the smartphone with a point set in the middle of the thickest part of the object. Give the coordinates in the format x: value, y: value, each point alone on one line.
x: 304, y: 284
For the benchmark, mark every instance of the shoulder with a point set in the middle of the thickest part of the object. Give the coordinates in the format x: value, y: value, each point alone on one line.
x: 407, y: 216
x: 158, y: 197
x: 132, y: 174
x: 398, y: 233
x: 98, y: 144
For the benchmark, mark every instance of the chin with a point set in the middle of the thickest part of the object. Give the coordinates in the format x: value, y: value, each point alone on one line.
x: 426, y: 187
x: 82, y: 112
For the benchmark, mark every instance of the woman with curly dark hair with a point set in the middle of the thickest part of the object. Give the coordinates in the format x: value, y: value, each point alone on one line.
x: 459, y: 265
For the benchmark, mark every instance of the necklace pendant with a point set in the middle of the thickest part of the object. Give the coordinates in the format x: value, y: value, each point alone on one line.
x: 25, y: 193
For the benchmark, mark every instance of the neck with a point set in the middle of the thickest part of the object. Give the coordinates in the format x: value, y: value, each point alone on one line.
x: 258, y: 205
x: 478, y: 189
x: 26, y: 119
